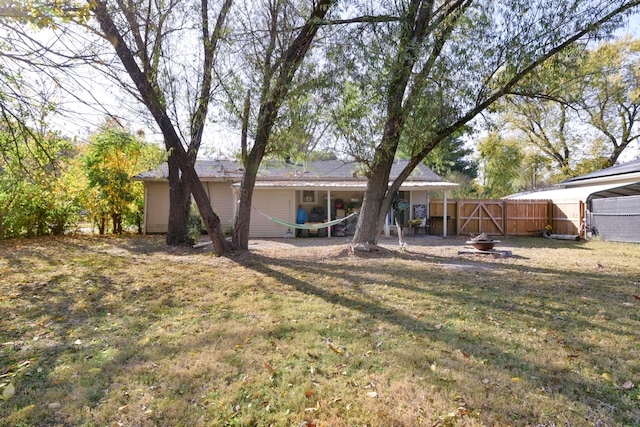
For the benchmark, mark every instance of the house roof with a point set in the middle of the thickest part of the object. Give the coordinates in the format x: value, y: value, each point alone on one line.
x: 353, y: 184
x: 323, y: 170
x: 625, y: 172
x: 206, y: 170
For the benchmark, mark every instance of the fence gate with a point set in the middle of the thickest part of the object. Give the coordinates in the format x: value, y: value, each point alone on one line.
x: 480, y: 216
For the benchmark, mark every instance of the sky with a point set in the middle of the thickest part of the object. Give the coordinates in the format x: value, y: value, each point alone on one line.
x: 219, y: 141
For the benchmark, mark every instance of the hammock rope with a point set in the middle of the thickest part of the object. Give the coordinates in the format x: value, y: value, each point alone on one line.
x: 304, y: 226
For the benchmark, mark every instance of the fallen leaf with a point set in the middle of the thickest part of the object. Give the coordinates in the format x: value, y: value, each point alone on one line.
x: 336, y: 349
x: 462, y: 411
x: 516, y: 379
x: 309, y: 393
x: 336, y: 400
x: 372, y: 394
x: 607, y: 376
x: 636, y: 297
x: 8, y: 392
x: 628, y: 385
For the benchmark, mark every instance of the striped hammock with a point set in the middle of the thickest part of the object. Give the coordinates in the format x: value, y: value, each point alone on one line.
x: 303, y: 226
x: 310, y: 226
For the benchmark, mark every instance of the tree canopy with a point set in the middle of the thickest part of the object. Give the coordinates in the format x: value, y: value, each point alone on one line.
x: 579, y: 112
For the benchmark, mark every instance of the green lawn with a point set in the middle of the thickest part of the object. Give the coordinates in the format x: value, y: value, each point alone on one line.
x: 125, y: 331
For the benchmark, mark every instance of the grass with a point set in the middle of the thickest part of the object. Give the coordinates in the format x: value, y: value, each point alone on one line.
x: 125, y: 331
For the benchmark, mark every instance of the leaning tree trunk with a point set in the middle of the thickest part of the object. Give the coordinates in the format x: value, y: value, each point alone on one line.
x: 369, y: 225
x: 179, y: 206
x: 153, y: 100
x: 191, y: 179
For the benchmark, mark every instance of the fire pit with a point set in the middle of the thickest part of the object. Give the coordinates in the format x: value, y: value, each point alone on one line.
x: 482, y: 242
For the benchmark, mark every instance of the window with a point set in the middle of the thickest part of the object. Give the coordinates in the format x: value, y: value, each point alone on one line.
x: 309, y: 197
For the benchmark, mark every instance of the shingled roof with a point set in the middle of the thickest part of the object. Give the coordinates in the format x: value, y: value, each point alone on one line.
x: 322, y: 170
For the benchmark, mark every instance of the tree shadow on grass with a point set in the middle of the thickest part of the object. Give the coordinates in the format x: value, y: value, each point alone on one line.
x: 380, y: 292
x: 546, y: 313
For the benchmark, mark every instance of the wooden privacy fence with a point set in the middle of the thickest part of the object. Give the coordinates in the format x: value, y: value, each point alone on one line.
x: 506, y: 217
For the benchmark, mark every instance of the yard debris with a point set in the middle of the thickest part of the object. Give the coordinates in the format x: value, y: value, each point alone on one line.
x: 562, y: 236
x: 338, y: 350
x: 8, y: 391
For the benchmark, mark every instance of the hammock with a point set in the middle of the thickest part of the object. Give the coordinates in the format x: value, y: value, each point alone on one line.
x: 309, y: 226
x: 303, y: 226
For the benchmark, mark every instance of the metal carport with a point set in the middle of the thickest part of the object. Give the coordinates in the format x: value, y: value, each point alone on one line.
x: 614, y: 213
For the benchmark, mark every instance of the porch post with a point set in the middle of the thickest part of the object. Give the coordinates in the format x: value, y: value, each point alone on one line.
x: 329, y: 212
x: 411, y: 204
x: 444, y: 218
x: 386, y: 227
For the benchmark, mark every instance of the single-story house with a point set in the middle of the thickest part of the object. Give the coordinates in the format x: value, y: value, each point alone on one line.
x: 281, y: 187
x: 611, y: 196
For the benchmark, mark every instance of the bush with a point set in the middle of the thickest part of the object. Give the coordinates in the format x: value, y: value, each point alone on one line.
x: 195, y: 225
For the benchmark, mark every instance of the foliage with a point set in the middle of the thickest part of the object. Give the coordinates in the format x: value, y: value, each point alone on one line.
x: 579, y: 111
x: 113, y: 157
x: 37, y: 195
x: 195, y: 225
x: 108, y: 331
x: 468, y: 187
x: 611, y: 101
x: 501, y: 161
x: 44, y: 13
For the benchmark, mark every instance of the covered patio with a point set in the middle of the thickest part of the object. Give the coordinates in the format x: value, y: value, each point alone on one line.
x: 325, y: 201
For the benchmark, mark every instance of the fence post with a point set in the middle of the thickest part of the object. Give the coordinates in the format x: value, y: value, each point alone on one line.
x: 457, y: 217
x: 504, y: 217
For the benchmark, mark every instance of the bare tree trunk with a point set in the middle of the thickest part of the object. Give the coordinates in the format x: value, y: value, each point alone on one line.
x: 101, y: 222
x: 243, y: 218
x: 179, y: 206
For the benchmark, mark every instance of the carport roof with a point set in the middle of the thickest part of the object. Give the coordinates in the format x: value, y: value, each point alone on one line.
x: 622, y: 191
x: 617, y: 172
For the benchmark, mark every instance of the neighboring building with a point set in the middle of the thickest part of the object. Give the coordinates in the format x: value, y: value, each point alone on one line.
x: 283, y: 186
x: 611, y: 196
